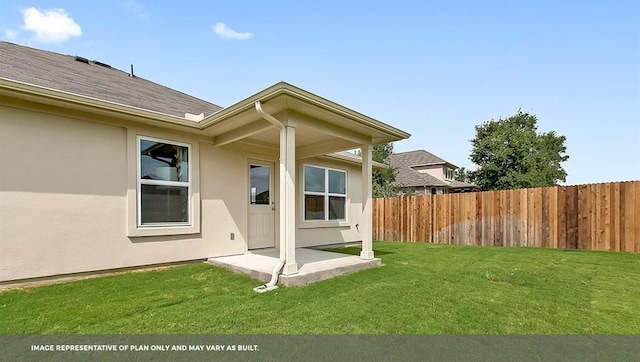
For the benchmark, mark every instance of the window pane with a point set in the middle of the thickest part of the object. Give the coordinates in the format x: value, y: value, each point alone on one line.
x: 164, y: 204
x: 313, y: 207
x: 259, y: 185
x: 337, y: 182
x: 163, y: 161
x: 313, y: 179
x: 337, y: 208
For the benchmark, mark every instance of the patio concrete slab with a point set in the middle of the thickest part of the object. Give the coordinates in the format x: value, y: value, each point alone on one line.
x: 313, y: 265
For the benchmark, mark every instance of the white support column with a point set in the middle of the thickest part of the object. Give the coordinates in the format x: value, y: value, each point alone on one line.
x: 366, y: 221
x: 290, y: 266
x: 282, y: 194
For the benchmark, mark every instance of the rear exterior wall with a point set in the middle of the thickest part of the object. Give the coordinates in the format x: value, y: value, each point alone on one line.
x: 68, y: 204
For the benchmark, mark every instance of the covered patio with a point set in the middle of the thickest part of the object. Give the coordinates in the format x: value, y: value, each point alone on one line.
x: 288, y: 125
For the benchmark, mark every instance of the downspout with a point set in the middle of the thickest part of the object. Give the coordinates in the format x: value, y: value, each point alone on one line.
x: 281, y: 199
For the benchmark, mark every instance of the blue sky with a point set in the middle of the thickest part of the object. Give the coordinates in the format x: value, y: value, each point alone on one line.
x: 432, y: 68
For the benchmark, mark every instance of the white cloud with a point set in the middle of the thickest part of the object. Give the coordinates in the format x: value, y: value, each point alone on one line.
x: 137, y: 9
x: 11, y: 35
x: 227, y: 33
x: 50, y: 26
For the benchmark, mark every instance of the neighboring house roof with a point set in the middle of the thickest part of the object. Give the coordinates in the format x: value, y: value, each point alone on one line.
x: 461, y: 185
x: 407, y: 176
x: 411, y: 178
x: 421, y: 158
x: 64, y: 73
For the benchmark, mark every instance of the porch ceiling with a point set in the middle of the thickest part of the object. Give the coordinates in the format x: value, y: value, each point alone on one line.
x: 321, y: 125
x: 309, y: 142
x: 306, y: 137
x: 314, y: 136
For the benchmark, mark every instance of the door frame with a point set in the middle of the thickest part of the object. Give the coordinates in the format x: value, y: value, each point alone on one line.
x: 273, y: 197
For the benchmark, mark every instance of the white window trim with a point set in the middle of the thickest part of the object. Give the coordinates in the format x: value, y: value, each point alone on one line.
x: 327, y: 195
x: 140, y: 182
x: 133, y: 145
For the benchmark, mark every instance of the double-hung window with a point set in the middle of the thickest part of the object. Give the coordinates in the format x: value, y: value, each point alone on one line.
x: 164, y: 186
x: 449, y: 173
x: 325, y: 194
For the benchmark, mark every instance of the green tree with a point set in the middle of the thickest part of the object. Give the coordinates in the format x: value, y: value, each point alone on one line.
x: 511, y: 154
x: 462, y: 174
x: 383, y: 179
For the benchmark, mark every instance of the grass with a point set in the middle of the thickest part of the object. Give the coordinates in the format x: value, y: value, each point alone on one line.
x: 420, y: 289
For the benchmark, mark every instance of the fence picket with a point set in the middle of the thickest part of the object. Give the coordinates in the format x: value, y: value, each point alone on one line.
x: 588, y: 217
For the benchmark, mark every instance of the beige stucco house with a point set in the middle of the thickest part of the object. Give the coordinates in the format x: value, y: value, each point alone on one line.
x: 102, y: 169
x: 423, y: 173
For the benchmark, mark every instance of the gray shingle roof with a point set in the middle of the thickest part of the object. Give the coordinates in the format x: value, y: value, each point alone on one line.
x: 64, y: 73
x: 420, y: 158
x: 407, y: 176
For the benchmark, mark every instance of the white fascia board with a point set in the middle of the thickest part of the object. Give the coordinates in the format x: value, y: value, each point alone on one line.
x: 355, y: 159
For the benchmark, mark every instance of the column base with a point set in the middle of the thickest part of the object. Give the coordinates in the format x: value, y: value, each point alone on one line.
x: 290, y: 269
x: 367, y: 255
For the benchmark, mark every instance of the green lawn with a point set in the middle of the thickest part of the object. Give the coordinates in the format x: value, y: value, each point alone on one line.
x: 420, y: 289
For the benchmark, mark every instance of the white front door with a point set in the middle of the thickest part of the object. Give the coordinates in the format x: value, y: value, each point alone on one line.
x: 261, y: 206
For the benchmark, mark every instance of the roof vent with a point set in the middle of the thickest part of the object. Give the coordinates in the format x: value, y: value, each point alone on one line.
x: 81, y: 59
x: 101, y: 64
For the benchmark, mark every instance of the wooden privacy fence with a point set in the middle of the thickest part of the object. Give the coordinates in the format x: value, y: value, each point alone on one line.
x: 590, y: 217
